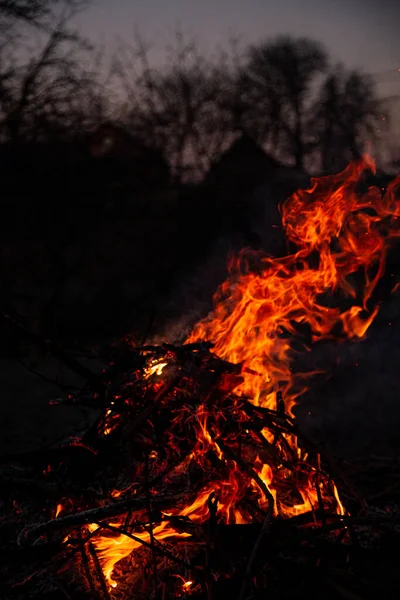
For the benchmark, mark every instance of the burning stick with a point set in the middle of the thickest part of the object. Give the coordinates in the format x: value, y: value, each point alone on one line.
x: 268, y: 519
x: 212, y: 504
x: 86, y: 517
x: 86, y: 566
x: 99, y: 572
x: 150, y: 527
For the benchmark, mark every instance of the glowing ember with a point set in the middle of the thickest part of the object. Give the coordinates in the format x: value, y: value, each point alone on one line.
x: 110, y: 426
x: 155, y: 369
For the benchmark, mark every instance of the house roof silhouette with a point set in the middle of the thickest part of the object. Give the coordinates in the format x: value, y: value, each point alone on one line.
x: 244, y: 163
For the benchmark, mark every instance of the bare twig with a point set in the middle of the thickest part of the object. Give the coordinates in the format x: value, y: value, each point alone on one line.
x: 212, y: 508
x: 99, y: 571
x: 86, y: 566
x: 158, y: 548
x: 85, y: 517
x: 11, y: 317
x: 268, y: 519
x: 150, y: 526
x: 47, y: 379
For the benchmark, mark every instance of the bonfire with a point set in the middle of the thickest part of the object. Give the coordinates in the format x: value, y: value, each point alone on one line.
x: 195, y: 480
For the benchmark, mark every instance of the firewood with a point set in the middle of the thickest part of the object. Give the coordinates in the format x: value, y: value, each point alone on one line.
x: 140, y: 482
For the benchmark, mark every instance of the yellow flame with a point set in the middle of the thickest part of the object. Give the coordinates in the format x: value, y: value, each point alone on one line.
x: 155, y: 369
x: 337, y: 233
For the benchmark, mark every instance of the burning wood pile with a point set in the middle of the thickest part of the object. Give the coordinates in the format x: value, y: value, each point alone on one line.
x: 195, y: 479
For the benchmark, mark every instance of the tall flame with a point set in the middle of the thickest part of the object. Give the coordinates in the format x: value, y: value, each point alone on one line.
x: 257, y: 314
x: 261, y: 308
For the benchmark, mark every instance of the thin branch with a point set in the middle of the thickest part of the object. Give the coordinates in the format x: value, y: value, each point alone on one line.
x: 85, y: 517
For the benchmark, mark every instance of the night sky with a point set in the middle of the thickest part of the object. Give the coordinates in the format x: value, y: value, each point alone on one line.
x: 360, y: 33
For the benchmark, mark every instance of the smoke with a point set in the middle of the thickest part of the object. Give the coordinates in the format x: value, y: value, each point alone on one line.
x: 191, y: 298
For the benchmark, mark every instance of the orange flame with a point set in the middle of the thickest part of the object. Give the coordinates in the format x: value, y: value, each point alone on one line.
x: 113, y: 547
x: 338, y: 233
x: 63, y: 505
x: 259, y: 310
x: 187, y: 585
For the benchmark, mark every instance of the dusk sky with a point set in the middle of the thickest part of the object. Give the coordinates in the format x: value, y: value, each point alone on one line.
x: 361, y: 33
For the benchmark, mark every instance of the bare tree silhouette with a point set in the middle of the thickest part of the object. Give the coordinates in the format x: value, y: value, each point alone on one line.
x: 281, y: 75
x: 175, y: 106
x: 346, y: 113
x: 52, y: 86
x: 29, y: 11
x: 281, y: 92
x: 50, y: 92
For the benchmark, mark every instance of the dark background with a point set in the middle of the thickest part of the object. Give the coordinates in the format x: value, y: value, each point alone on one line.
x: 124, y: 187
